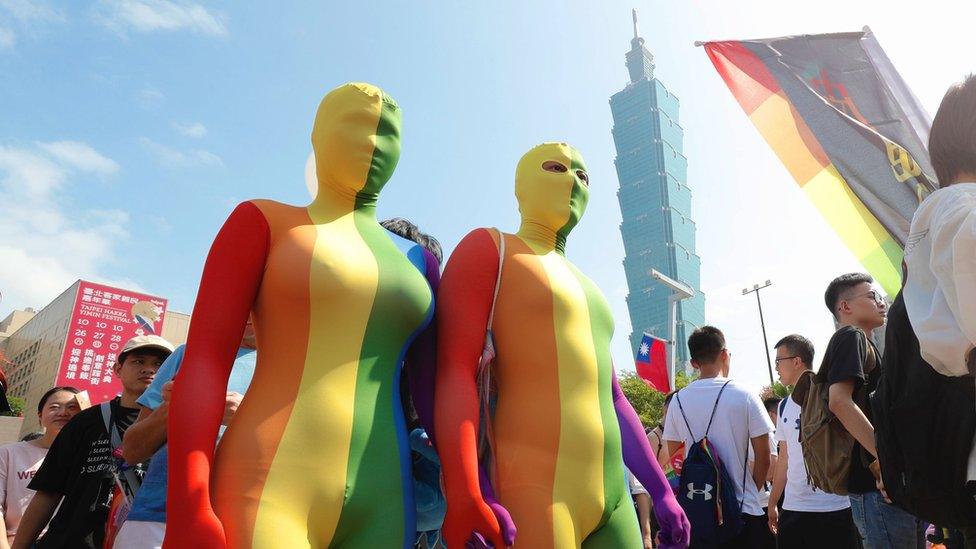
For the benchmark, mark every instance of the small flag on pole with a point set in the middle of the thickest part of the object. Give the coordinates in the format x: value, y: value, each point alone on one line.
x: 652, y: 367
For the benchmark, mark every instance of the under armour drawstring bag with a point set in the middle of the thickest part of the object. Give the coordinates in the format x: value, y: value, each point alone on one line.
x: 706, y: 492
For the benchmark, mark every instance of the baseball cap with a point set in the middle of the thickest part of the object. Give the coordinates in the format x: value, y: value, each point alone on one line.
x: 145, y: 342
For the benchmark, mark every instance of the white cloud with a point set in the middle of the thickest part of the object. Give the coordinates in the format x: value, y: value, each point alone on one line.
x: 27, y: 14
x: 161, y: 224
x: 26, y: 11
x: 28, y: 172
x: 7, y: 38
x: 159, y: 15
x: 150, y: 97
x: 80, y: 156
x: 195, y: 130
x: 47, y: 244
x: 173, y: 158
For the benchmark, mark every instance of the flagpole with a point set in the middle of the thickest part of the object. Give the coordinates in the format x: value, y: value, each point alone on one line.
x: 679, y: 292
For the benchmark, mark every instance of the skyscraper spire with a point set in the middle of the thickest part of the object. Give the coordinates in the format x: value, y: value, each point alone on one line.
x: 640, y: 62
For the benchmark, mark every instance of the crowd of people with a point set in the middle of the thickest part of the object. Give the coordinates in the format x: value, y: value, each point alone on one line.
x: 823, y: 467
x: 895, y: 479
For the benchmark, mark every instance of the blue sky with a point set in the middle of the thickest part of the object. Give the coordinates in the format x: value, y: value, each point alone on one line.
x: 129, y: 129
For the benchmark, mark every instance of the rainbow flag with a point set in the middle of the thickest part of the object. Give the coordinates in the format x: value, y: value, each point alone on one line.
x: 848, y: 129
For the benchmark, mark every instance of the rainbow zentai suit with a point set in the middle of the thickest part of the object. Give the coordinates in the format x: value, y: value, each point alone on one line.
x: 317, y: 455
x: 562, y: 428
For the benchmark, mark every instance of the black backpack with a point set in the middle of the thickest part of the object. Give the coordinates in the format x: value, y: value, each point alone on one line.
x: 706, y: 491
x: 924, y: 424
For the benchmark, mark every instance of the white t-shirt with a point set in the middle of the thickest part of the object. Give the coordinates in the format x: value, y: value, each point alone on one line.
x: 633, y: 484
x: 18, y: 463
x: 764, y: 492
x: 740, y: 416
x: 800, y: 494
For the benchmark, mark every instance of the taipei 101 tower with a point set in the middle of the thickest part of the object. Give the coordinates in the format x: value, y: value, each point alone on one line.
x: 655, y: 202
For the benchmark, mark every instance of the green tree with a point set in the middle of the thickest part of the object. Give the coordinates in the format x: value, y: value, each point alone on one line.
x: 16, y: 407
x: 648, y: 402
x: 776, y: 390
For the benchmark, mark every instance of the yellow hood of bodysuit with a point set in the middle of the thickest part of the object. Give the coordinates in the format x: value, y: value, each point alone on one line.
x: 356, y: 141
x: 551, y: 203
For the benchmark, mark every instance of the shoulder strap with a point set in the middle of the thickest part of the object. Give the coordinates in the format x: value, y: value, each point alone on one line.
x: 715, y: 407
x: 657, y: 436
x: 660, y: 440
x: 113, y: 434
x: 782, y: 406
x: 498, y: 279
x: 871, y: 357
x: 128, y: 473
x: 677, y: 397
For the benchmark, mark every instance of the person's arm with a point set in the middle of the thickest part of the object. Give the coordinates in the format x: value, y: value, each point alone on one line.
x: 464, y: 302
x: 760, y: 467
x: 773, y: 460
x: 672, y: 440
x: 643, y: 501
x: 36, y: 517
x: 228, y: 288
x: 146, y: 435
x: 953, y: 262
x: 662, y: 454
x: 779, y: 485
x: 421, y: 363
x: 673, y: 447
x: 421, y: 371
x: 844, y: 375
x: 842, y: 405
x: 759, y: 426
x: 642, y: 462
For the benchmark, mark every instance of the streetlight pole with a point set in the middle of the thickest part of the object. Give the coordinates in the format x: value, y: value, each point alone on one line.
x: 679, y: 292
x: 747, y: 291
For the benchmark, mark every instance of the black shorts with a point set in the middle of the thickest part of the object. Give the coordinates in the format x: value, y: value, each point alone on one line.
x: 755, y: 535
x: 802, y: 530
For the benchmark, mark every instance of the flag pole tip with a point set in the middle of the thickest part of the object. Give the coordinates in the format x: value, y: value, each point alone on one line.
x: 699, y: 43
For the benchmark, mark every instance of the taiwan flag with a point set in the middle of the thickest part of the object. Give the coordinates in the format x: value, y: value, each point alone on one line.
x: 652, y: 363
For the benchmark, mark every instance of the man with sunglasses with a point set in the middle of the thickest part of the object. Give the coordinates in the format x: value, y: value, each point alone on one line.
x: 851, y: 366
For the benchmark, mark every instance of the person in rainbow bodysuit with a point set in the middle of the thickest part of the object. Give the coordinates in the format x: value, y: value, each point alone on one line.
x: 317, y: 454
x: 562, y: 428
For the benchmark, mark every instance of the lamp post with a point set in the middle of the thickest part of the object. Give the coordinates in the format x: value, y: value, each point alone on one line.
x: 679, y: 292
x: 747, y: 291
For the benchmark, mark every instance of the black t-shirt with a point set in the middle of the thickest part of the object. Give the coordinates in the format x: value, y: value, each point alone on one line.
x: 844, y: 359
x: 79, y: 466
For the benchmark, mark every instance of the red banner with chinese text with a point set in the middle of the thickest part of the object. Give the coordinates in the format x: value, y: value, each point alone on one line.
x: 102, y: 320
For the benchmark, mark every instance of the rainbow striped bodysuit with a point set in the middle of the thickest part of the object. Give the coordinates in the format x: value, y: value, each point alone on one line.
x: 558, y: 422
x: 317, y: 455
